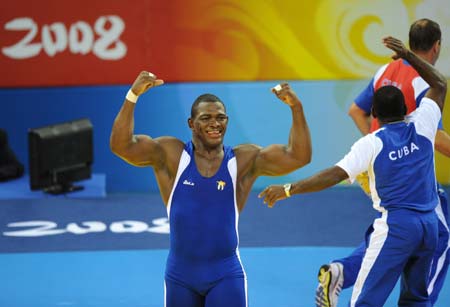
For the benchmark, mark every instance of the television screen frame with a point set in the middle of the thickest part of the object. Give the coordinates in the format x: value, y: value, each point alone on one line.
x: 59, y: 155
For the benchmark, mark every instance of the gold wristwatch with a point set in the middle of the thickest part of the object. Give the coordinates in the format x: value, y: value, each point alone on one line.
x: 287, y: 189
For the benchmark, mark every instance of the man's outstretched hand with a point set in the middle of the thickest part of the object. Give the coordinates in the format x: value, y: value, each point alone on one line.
x: 272, y: 194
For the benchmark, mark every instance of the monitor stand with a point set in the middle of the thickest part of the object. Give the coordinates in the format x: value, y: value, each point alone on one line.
x: 63, y: 188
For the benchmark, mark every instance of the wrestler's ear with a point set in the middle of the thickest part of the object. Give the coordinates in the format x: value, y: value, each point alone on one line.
x: 190, y: 123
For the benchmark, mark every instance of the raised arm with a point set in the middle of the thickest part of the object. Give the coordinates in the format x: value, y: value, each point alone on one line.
x: 275, y: 160
x: 437, y: 82
x: 138, y: 150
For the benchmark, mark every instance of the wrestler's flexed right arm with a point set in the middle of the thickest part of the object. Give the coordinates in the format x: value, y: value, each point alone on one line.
x: 161, y: 153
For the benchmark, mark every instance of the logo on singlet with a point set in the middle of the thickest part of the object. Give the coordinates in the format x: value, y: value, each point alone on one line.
x: 187, y: 182
x: 221, y: 185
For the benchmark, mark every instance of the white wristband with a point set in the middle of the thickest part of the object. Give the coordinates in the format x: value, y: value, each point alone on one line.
x: 277, y: 87
x: 131, y: 97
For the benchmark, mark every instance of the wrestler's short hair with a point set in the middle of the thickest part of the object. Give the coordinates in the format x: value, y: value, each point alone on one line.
x: 204, y: 98
x: 388, y: 102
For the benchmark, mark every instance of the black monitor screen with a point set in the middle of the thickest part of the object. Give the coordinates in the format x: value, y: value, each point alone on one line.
x: 59, y: 155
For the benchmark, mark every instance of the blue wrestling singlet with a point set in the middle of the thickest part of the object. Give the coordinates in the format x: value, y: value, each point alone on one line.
x: 203, y: 267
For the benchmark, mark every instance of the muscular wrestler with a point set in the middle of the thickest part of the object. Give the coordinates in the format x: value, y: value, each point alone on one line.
x: 204, y: 186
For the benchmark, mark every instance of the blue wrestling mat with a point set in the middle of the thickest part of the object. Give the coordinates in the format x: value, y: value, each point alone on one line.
x: 139, y: 221
x: 111, y: 251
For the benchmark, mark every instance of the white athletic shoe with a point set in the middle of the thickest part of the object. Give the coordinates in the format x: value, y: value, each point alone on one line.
x: 331, y: 279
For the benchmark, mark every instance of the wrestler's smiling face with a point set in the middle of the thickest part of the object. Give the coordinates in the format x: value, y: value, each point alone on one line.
x: 209, y: 123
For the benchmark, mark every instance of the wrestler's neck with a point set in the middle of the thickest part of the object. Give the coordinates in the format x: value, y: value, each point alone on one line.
x: 206, y: 150
x: 391, y: 120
